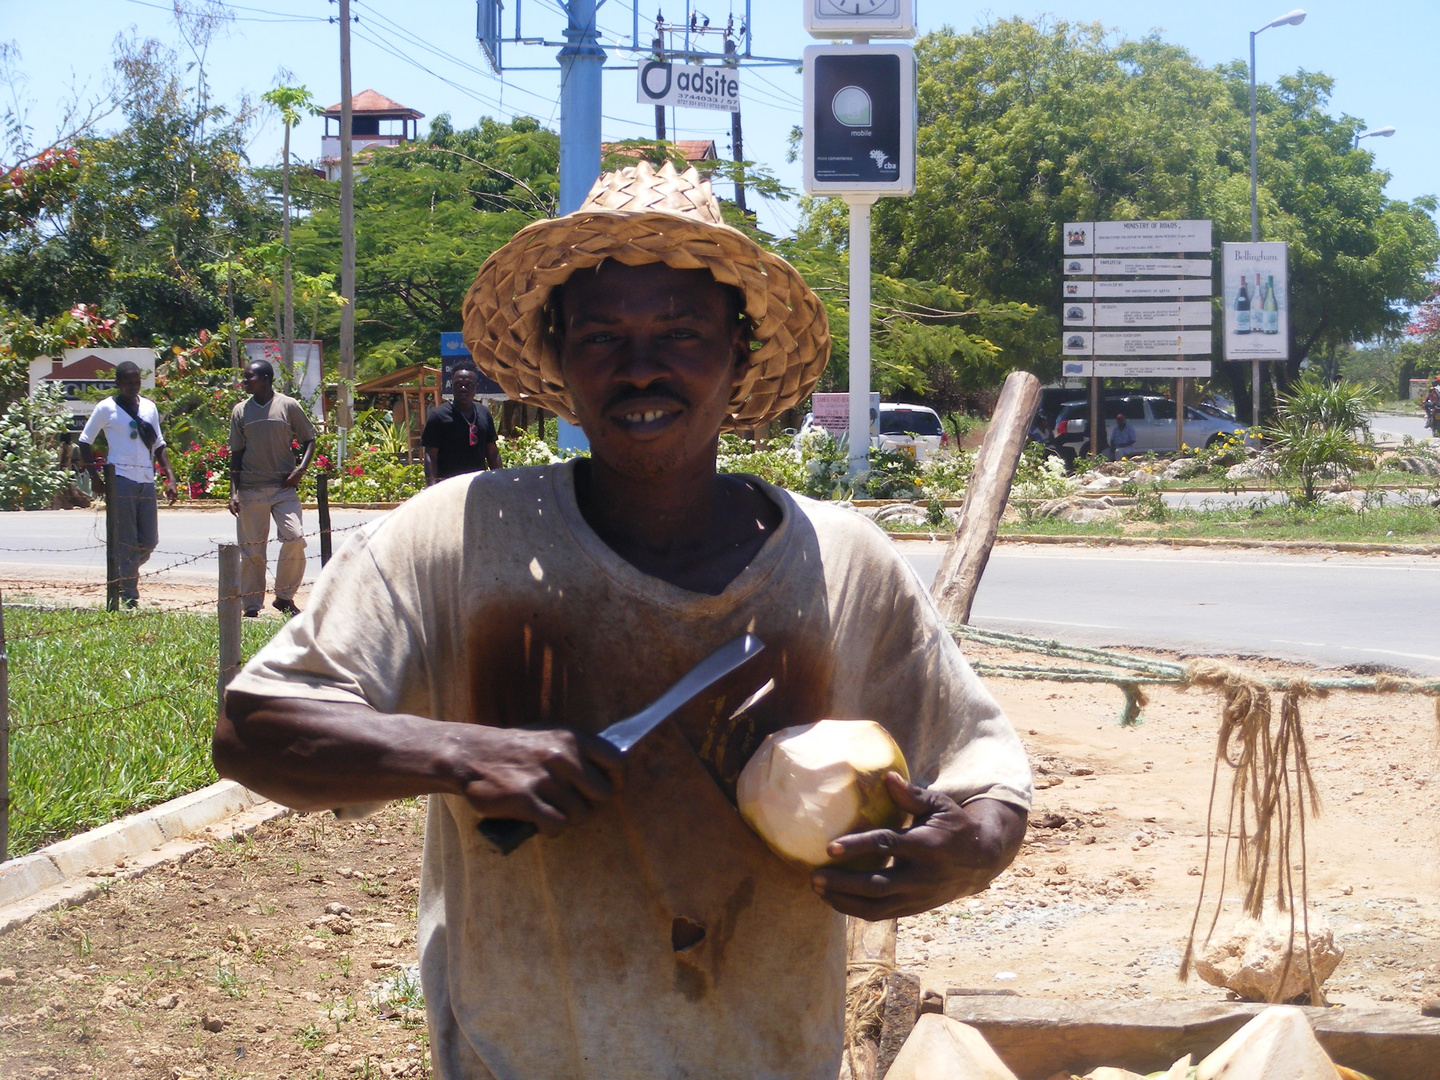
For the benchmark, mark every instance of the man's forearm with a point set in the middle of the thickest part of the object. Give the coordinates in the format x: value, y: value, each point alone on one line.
x: 317, y: 755
x: 307, y: 455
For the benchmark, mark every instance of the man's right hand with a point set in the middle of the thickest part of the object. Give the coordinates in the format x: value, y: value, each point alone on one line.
x: 553, y: 778
x: 235, y: 503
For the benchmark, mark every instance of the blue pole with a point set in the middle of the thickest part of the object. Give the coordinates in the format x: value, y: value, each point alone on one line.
x: 581, y: 62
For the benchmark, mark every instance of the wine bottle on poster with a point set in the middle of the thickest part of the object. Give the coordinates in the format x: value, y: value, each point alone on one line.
x: 1242, y: 308
x: 1271, y: 308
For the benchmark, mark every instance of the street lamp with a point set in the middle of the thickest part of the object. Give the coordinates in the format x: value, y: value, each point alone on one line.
x: 1294, y: 18
x: 1381, y: 133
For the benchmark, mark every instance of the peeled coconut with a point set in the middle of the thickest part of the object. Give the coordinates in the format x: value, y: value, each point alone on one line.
x: 809, y: 784
x: 1276, y: 1045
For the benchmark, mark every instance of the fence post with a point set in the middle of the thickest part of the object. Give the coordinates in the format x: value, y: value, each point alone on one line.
x: 112, y: 549
x: 322, y: 503
x: 227, y: 609
x: 4, y: 741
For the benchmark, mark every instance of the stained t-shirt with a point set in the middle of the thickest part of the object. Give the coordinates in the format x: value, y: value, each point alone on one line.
x: 264, y: 433
x: 449, y: 432
x: 488, y: 599
x: 124, y: 448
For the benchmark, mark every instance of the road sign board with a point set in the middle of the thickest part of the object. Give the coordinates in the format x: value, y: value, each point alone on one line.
x: 1136, y: 369
x: 1137, y: 267
x: 1132, y: 237
x: 1135, y: 342
x: 1180, y: 313
x: 1136, y: 290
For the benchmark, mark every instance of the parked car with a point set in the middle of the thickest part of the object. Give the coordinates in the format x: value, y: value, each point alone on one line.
x: 900, y: 428
x: 1153, y: 419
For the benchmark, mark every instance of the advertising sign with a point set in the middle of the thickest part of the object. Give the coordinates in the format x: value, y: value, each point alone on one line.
x: 852, y: 18
x: 1255, y: 289
x: 1183, y: 313
x: 860, y: 119
x: 309, y: 365
x: 688, y: 86
x: 1136, y: 369
x: 1134, y: 237
x: 81, y: 372
x: 452, y: 351
x: 1137, y: 290
x: 1137, y: 267
x: 832, y: 412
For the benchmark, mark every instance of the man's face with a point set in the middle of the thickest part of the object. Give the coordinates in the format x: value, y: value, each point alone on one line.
x: 651, y: 356
x: 128, y: 385
x: 255, y: 380
x: 463, y: 385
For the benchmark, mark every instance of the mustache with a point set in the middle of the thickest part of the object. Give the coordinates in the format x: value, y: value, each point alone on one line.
x: 625, y: 394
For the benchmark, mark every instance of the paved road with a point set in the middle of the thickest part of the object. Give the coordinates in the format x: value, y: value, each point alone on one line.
x: 1330, y: 610
x: 1391, y: 427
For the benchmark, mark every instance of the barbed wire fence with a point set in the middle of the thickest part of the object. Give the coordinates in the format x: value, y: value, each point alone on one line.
x: 86, y: 613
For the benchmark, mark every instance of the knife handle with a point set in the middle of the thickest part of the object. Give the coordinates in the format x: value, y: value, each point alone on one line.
x: 506, y: 834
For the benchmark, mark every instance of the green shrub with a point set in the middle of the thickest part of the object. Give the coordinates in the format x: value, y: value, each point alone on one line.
x: 30, y: 473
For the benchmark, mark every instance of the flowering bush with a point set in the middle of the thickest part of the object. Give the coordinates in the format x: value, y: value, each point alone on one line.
x: 30, y: 473
x: 525, y: 448
x: 203, y: 470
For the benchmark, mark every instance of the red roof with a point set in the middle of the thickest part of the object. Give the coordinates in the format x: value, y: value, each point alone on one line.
x: 87, y: 367
x: 692, y: 149
x: 370, y: 103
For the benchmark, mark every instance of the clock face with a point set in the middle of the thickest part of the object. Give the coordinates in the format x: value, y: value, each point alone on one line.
x: 840, y: 9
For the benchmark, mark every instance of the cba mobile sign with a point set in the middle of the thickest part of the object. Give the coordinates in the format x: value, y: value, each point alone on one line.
x: 1255, y: 287
x: 688, y: 86
x: 859, y: 119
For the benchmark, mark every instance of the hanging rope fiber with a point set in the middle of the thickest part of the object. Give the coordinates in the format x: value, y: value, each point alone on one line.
x: 1270, y: 785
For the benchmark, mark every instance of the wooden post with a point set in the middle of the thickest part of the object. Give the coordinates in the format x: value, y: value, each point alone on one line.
x: 985, y: 498
x: 322, y: 502
x: 4, y: 741
x: 112, y: 549
x: 1179, y: 413
x: 227, y: 610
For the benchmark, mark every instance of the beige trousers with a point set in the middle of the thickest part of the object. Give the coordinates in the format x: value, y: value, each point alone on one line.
x: 252, y: 531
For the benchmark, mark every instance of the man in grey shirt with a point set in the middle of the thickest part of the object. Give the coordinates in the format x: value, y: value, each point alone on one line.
x: 264, y: 431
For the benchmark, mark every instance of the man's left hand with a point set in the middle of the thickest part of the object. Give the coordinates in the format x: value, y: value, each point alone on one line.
x: 170, y: 493
x: 293, y: 480
x: 950, y: 851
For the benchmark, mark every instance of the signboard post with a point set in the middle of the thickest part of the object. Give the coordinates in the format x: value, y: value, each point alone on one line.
x: 1155, y: 326
x: 859, y: 144
x: 1257, y: 316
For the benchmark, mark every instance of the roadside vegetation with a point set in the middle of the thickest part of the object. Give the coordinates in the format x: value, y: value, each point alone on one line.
x: 109, y: 713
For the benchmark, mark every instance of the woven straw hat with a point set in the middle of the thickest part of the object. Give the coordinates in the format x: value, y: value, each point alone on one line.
x: 639, y: 215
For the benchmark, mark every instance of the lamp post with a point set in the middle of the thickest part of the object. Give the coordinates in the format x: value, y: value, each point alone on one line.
x: 1373, y: 133
x: 1293, y: 18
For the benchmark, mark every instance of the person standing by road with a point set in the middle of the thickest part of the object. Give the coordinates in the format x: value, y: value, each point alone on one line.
x: 264, y: 430
x: 459, y: 435
x: 134, y: 444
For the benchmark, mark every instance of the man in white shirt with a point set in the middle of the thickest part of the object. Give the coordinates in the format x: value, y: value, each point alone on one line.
x: 133, y: 444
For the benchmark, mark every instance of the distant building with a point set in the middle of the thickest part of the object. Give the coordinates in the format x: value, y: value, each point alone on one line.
x: 368, y: 111
x: 695, y: 150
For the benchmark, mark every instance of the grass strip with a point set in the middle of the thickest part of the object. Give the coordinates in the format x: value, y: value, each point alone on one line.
x: 109, y: 712
x: 1413, y: 524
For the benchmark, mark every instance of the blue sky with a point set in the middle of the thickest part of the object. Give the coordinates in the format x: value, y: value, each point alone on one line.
x: 1381, y: 56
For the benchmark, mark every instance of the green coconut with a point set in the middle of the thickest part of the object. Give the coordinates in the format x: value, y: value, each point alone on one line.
x: 810, y: 784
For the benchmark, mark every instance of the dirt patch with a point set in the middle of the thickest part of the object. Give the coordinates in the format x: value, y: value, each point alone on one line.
x: 289, y: 955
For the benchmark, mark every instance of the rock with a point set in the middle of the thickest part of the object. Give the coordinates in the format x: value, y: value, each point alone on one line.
x: 1419, y: 464
x: 8, y: 977
x: 334, y: 908
x: 1082, y: 511
x: 1255, y: 469
x: 1276, y: 1045
x: 1250, y: 959
x: 943, y: 1049
x: 1430, y: 1007
x: 211, y: 1022
x: 169, y: 1001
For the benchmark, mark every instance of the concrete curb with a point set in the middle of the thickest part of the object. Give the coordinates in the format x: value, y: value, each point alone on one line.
x: 1180, y: 541
x: 77, y: 869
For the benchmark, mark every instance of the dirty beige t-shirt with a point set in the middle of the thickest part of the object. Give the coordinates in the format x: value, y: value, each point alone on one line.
x: 488, y: 599
x: 263, y: 432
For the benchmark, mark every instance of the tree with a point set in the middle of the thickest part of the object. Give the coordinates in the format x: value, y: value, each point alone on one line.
x: 293, y: 102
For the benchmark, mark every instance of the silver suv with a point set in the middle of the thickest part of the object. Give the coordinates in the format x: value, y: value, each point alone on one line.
x: 1152, y: 417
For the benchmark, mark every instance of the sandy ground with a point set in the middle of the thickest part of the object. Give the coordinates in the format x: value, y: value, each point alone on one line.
x: 239, y: 963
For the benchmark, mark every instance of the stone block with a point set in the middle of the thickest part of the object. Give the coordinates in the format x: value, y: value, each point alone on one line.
x: 105, y: 846
x: 191, y: 813
x: 26, y: 875
x: 1250, y: 958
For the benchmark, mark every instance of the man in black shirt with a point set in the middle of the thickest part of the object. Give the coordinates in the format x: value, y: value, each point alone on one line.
x: 459, y: 435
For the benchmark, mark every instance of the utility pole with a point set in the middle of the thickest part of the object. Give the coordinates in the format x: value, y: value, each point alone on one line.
x: 737, y: 151
x: 659, y: 45
x: 347, y: 233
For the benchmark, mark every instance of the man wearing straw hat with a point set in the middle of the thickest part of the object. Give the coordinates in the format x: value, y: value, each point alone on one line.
x: 470, y: 646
